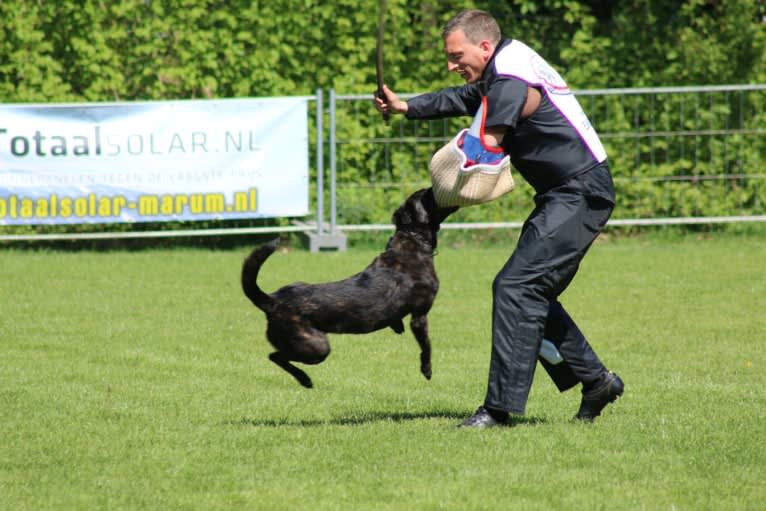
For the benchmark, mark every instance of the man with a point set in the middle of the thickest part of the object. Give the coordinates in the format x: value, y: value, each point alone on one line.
x: 524, y: 107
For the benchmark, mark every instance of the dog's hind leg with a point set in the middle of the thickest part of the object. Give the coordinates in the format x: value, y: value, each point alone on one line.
x: 419, y: 326
x: 297, y: 373
x: 297, y: 342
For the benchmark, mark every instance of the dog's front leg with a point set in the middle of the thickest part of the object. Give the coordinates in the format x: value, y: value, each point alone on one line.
x: 419, y: 326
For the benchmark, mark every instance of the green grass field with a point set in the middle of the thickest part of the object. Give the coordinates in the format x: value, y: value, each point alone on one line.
x: 139, y: 380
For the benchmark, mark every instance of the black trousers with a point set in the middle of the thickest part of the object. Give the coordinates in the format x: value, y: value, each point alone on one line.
x: 553, y: 241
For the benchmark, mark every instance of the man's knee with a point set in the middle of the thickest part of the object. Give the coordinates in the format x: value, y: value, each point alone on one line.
x: 519, y: 292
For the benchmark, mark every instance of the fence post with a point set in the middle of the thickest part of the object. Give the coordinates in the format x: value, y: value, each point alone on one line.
x: 331, y: 239
x: 320, y: 160
x: 333, y: 162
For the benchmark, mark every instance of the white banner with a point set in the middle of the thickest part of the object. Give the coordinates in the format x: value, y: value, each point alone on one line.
x: 153, y: 161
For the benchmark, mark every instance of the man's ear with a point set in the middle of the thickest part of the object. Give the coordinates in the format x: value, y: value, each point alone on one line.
x: 487, y: 49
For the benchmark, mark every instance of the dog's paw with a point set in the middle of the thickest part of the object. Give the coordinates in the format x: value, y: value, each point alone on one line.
x: 425, y: 363
x: 304, y: 380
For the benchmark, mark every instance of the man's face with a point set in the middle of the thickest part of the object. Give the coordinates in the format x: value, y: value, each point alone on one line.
x: 465, y: 58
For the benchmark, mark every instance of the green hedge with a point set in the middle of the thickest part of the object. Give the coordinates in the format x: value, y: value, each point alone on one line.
x: 154, y: 50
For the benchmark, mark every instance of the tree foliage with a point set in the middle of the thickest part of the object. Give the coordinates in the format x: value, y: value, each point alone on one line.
x: 177, y: 49
x: 172, y: 49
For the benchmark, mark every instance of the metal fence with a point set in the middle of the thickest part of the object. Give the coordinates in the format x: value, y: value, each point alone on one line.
x: 679, y: 155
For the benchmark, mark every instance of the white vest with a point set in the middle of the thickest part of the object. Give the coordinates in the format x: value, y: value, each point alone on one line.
x: 520, y: 61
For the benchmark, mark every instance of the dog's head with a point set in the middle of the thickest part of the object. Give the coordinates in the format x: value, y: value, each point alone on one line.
x: 420, y: 213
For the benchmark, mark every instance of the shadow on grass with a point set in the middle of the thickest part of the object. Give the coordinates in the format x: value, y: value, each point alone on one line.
x: 372, y: 417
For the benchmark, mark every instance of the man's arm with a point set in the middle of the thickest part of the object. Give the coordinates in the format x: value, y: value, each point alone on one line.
x: 493, y: 135
x: 449, y: 102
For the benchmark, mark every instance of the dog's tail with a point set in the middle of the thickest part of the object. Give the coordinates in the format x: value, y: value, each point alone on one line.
x: 250, y: 269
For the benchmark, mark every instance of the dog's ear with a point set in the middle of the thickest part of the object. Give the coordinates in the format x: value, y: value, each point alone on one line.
x: 421, y: 204
x: 402, y: 216
x: 412, y: 211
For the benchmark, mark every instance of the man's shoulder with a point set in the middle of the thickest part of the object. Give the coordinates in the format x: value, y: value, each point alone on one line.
x: 512, y: 52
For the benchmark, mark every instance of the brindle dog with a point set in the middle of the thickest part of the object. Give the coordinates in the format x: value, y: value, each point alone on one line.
x: 400, y: 281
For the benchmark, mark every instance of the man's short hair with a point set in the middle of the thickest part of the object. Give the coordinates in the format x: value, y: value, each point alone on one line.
x: 477, y: 26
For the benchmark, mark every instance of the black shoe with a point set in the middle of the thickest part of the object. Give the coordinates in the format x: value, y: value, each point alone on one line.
x: 483, y: 418
x: 595, y: 399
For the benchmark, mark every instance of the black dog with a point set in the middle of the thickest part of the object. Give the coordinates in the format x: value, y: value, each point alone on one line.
x: 400, y: 281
